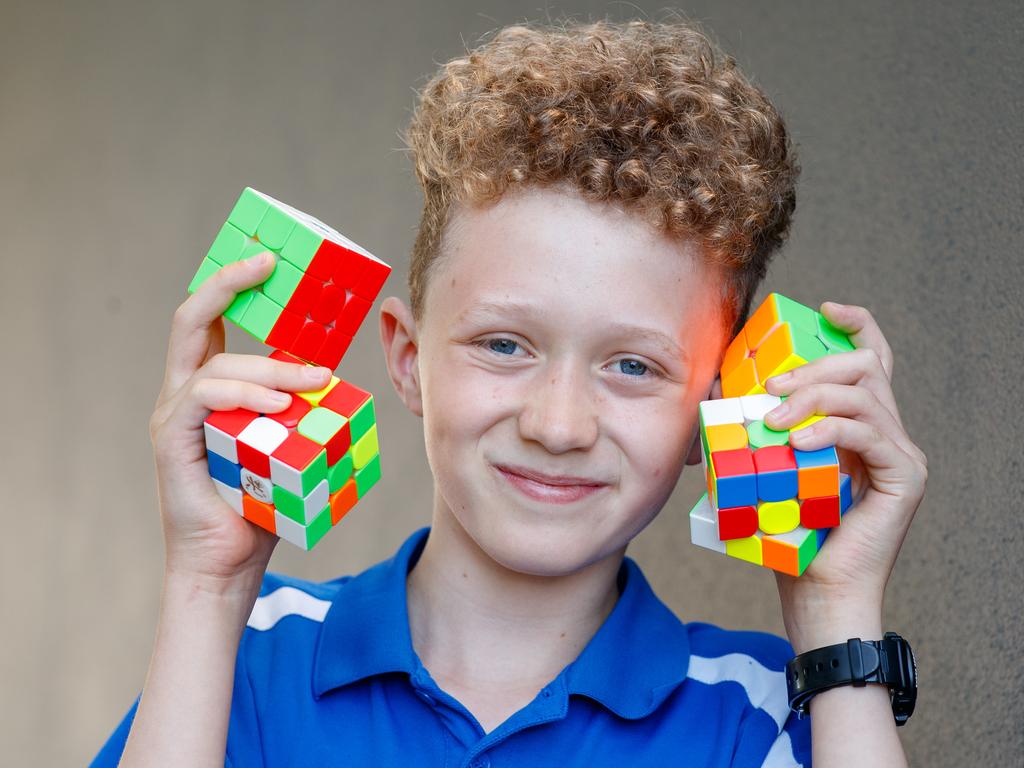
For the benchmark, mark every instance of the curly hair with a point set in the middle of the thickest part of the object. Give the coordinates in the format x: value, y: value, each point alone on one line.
x: 649, y: 114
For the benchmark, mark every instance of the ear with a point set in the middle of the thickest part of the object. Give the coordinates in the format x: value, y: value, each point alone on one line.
x: 398, y: 334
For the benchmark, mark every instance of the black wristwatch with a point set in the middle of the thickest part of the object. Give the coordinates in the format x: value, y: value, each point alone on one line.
x: 888, y: 661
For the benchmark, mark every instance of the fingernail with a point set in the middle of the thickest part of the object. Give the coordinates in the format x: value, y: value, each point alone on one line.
x: 317, y: 373
x: 782, y: 378
x: 281, y: 397
x: 259, y: 259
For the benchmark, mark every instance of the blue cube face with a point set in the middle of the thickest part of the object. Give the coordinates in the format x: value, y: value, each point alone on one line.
x: 845, y: 493
x: 226, y: 471
x: 824, y: 457
x: 822, y: 534
x: 736, y: 491
x: 777, y: 486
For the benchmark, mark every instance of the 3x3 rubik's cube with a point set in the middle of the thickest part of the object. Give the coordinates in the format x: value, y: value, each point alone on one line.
x: 766, y: 502
x: 296, y: 473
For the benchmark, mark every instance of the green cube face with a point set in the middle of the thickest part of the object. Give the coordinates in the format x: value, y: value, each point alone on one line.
x: 339, y: 474
x: 228, y: 245
x: 362, y: 420
x: 321, y: 425
x: 248, y: 211
x: 367, y: 477
x: 206, y: 269
x: 318, y: 528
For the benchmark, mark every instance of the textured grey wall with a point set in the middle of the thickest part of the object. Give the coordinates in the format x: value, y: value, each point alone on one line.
x: 126, y: 131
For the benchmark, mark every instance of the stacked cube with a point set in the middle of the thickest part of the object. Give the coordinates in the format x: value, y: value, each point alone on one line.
x: 320, y: 290
x: 296, y: 473
x: 767, y: 503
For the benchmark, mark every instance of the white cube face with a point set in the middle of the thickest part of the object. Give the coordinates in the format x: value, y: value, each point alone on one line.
x: 233, y: 496
x: 260, y: 488
x: 285, y: 476
x: 704, y: 526
x: 715, y: 412
x: 264, y: 434
x: 289, y: 530
x: 221, y: 443
x: 756, y: 406
x: 317, y: 499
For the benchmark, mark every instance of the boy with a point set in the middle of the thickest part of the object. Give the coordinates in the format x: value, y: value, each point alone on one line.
x: 601, y: 202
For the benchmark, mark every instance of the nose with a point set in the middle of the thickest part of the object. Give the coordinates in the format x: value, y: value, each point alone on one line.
x: 559, y: 410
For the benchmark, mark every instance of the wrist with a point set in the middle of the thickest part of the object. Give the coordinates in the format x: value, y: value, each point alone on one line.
x: 808, y: 629
x: 221, y: 597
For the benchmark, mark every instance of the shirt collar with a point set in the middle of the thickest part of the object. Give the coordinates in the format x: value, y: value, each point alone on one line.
x: 638, y: 656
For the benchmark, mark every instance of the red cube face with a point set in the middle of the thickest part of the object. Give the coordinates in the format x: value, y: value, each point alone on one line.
x: 774, y: 458
x: 738, y: 461
x: 737, y: 522
x: 821, y: 512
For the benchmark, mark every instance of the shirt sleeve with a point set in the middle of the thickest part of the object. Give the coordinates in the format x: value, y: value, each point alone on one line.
x: 110, y: 753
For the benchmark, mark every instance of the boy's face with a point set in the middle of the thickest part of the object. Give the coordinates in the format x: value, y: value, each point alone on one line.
x: 562, y: 338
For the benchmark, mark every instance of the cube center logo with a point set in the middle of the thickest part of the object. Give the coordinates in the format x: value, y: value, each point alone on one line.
x: 767, y: 503
x: 296, y: 473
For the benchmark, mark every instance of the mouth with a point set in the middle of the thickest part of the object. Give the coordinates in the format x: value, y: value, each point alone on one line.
x: 554, y: 489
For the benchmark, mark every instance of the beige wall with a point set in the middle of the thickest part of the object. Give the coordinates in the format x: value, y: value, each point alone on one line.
x: 126, y: 132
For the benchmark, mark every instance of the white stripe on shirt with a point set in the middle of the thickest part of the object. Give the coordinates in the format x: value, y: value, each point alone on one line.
x: 286, y: 601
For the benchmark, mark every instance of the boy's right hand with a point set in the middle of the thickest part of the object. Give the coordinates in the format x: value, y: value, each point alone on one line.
x: 204, y: 537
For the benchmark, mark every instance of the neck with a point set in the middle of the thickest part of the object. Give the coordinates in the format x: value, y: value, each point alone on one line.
x: 474, y: 621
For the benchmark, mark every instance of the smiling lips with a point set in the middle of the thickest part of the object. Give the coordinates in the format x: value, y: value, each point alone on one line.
x: 557, y: 489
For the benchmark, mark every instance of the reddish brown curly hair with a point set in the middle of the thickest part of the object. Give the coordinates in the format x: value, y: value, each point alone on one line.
x: 649, y: 114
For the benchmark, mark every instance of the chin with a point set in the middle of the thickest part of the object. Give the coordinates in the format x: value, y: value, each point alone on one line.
x: 538, y: 549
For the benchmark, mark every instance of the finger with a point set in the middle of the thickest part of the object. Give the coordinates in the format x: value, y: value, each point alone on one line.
x: 862, y: 328
x: 266, y: 371
x: 205, y: 395
x: 890, y: 469
x: 828, y: 399
x: 190, y: 340
x: 862, y: 367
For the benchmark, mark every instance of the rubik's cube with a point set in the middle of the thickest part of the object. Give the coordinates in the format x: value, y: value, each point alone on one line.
x: 296, y: 473
x: 319, y: 292
x: 766, y: 502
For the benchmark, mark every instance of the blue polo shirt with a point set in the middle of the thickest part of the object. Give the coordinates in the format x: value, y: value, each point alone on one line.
x: 327, y: 675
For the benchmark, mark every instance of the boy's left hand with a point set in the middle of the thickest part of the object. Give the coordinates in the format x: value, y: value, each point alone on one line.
x: 840, y: 594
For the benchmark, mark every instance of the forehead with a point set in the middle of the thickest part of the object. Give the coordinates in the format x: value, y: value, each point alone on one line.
x: 548, y: 254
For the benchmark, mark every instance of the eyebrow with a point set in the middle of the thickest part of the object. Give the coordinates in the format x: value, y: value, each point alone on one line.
x: 486, y: 309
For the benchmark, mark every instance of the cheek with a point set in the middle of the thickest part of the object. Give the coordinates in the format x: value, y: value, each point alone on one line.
x: 655, y: 437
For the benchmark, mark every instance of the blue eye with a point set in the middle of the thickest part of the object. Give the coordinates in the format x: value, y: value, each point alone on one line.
x: 632, y: 367
x: 503, y: 346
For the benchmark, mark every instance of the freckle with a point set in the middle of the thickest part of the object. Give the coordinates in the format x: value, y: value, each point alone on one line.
x: 657, y: 471
x: 464, y: 575
x: 562, y: 635
x: 453, y: 282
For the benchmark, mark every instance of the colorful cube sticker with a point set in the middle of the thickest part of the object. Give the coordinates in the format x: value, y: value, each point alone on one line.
x: 767, y: 503
x: 297, y: 472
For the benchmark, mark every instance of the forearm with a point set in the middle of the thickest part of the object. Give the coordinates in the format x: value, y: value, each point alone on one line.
x: 183, y: 714
x: 850, y: 726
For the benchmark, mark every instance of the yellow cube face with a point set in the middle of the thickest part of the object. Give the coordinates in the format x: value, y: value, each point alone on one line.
x: 314, y: 398
x: 748, y: 549
x: 778, y: 516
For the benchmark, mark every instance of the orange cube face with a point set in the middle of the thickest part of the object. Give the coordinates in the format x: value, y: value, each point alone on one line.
x: 258, y: 512
x: 761, y: 323
x: 342, y: 500
x: 780, y: 557
x: 742, y: 380
x: 726, y: 437
x: 813, y: 482
x: 735, y: 353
